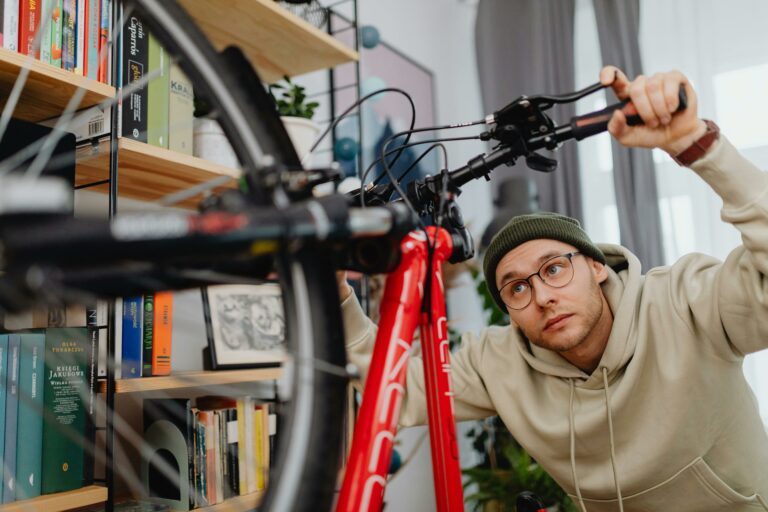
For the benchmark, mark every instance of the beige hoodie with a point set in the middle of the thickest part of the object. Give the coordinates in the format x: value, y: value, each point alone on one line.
x: 677, y: 412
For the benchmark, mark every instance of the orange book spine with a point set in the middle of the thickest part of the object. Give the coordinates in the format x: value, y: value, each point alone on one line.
x: 162, y: 328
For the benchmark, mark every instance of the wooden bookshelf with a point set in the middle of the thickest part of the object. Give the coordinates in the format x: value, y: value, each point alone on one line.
x: 245, y: 503
x: 147, y: 172
x: 48, y: 89
x: 191, y: 380
x: 91, y: 495
x: 276, y: 41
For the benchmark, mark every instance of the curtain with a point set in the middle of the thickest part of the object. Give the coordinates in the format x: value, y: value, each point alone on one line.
x: 634, y: 178
x: 526, y: 47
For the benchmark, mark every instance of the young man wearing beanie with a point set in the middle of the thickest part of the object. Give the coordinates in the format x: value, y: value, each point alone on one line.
x: 626, y: 386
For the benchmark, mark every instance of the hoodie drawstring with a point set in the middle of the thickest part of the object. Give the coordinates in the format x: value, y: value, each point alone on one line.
x: 573, y: 450
x: 610, y: 434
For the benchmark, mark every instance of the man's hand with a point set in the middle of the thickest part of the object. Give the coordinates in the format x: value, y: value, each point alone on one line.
x: 344, y: 289
x: 656, y: 99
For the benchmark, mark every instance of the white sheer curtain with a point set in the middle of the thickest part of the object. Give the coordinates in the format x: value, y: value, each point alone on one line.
x: 722, y: 48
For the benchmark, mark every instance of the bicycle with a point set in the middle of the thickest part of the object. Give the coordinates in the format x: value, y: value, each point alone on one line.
x: 272, y: 223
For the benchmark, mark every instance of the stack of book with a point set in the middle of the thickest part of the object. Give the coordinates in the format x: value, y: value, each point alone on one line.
x: 48, y: 380
x: 69, y: 34
x: 221, y: 448
x: 147, y: 330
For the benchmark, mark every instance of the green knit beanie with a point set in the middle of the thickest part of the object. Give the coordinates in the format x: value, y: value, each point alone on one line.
x: 534, y: 226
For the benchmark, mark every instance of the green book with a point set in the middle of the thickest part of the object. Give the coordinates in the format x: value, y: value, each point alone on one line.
x: 3, y: 389
x: 64, y: 393
x: 29, y: 437
x: 56, y: 32
x: 158, y: 97
x: 11, y: 418
x: 45, y: 40
x: 146, y: 332
x: 181, y: 111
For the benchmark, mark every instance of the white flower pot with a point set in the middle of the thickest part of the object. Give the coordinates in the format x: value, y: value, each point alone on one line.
x: 302, y: 132
x: 210, y: 143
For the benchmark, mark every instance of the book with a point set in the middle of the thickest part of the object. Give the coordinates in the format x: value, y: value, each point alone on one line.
x: 146, y: 334
x: 29, y: 23
x: 69, y: 35
x: 259, y: 444
x: 162, y: 333
x: 56, y: 21
x: 158, y: 95
x: 92, y: 356
x: 65, y: 394
x: 135, y: 56
x: 202, y: 463
x: 45, y: 27
x: 233, y: 482
x: 169, y: 427
x: 242, y: 471
x: 181, y: 110
x: 105, y: 12
x: 130, y: 355
x: 81, y: 23
x: 93, y: 20
x: 11, y: 25
x: 29, y: 443
x: 11, y: 418
x: 3, y: 389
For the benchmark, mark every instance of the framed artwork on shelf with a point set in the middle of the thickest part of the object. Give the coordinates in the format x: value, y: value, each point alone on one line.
x: 245, y: 325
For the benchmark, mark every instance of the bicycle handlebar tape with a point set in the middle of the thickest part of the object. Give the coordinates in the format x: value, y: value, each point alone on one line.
x: 597, y: 122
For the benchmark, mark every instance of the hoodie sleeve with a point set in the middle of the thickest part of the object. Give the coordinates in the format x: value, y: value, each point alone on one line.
x: 728, y: 302
x: 471, y: 400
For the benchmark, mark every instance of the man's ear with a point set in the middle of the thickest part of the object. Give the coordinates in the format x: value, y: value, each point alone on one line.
x: 600, y: 270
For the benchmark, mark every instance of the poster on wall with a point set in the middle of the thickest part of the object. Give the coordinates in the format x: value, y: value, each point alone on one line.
x: 382, y: 66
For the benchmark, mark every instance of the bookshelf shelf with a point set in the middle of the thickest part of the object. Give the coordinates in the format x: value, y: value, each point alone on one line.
x: 192, y: 379
x: 91, y: 495
x: 238, y: 504
x: 48, y: 89
x: 147, y: 172
x: 284, y: 44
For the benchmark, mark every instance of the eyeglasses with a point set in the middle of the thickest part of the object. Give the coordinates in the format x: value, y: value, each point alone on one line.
x: 555, y: 272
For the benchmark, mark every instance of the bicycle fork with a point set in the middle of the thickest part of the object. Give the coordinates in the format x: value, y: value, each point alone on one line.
x: 373, y: 440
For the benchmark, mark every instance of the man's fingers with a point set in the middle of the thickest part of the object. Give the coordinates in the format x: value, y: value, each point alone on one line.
x: 613, y: 76
x: 656, y: 91
x: 639, y: 97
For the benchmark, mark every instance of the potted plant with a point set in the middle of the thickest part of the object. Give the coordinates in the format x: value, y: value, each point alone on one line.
x: 209, y: 141
x: 296, y: 114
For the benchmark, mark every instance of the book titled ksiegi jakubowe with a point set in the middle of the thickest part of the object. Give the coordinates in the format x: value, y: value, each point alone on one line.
x: 65, y: 392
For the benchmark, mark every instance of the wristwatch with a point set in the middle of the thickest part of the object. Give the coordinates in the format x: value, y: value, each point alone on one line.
x: 699, y: 148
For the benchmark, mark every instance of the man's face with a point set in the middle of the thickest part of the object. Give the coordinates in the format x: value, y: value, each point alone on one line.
x: 558, y: 319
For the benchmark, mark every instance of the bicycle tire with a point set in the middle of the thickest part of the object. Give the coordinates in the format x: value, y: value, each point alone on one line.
x: 303, y: 475
x: 310, y: 428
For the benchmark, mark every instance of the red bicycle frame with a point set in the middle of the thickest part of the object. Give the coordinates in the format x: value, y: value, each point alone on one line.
x: 401, y: 310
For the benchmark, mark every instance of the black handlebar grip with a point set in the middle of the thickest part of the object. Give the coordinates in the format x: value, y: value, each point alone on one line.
x: 597, y: 122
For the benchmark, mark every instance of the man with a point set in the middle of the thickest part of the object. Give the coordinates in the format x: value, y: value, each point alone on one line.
x: 627, y: 388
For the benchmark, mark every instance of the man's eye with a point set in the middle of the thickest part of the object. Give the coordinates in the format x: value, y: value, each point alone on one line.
x: 554, y: 269
x: 519, y: 287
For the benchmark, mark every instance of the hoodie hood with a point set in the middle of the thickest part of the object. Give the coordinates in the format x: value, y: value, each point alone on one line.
x: 621, y: 291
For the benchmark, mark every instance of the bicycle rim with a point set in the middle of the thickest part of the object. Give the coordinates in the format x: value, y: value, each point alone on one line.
x: 309, y: 427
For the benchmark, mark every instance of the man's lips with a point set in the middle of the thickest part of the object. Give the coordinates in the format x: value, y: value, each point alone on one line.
x: 556, y: 321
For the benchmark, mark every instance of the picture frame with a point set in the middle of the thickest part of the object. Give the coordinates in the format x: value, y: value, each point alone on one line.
x: 245, y: 326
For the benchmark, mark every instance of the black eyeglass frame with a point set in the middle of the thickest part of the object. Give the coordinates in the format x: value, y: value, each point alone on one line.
x: 527, y: 280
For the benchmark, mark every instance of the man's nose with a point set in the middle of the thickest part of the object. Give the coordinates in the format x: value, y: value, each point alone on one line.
x: 543, y: 294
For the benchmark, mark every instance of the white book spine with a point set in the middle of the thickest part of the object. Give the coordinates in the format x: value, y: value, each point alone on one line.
x: 11, y: 25
x: 80, y: 42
